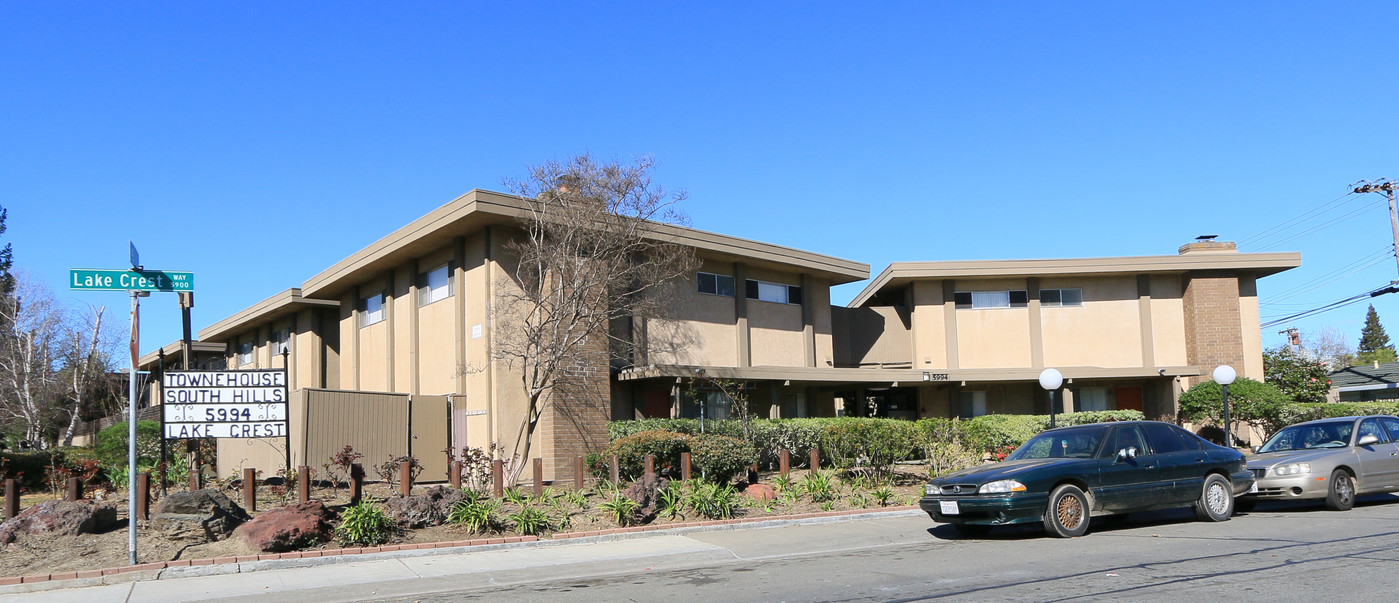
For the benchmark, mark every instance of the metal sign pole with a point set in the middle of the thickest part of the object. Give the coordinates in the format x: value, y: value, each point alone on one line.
x: 131, y: 433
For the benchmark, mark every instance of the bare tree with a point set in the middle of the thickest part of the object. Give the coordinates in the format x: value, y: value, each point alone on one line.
x: 29, y: 351
x: 597, y: 249
x: 1328, y: 346
x: 51, y: 362
x: 85, y: 366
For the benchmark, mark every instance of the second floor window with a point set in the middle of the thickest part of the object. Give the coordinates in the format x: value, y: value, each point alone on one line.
x: 991, y: 299
x: 1061, y: 297
x: 245, y: 353
x: 773, y: 292
x: 371, y: 310
x: 716, y: 284
x: 435, y: 285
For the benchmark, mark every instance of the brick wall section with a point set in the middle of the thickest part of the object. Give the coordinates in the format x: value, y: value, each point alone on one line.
x: 1213, y: 326
x: 575, y: 422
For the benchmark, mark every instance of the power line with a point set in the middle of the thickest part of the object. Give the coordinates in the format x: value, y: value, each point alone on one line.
x: 1289, y: 223
x: 1376, y: 292
x: 1316, y: 283
x: 1319, y: 227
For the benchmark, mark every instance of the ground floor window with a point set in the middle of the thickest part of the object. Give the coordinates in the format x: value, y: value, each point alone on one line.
x: 972, y: 404
x: 1089, y: 399
x: 714, y: 403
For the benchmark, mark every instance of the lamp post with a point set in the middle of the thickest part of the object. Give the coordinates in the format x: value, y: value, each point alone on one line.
x: 1050, y: 380
x: 1224, y: 375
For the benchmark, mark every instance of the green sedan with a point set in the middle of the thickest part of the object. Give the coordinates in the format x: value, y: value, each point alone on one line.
x: 1064, y: 476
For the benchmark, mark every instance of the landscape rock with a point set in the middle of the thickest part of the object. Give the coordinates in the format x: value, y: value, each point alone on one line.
x: 289, y: 528
x: 60, y: 517
x: 428, y: 509
x: 762, y: 492
x: 202, y: 515
x: 646, y: 492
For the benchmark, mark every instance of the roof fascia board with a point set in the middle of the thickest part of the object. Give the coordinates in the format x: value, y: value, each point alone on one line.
x: 487, y: 207
x: 905, y: 376
x: 268, y: 309
x: 1262, y: 263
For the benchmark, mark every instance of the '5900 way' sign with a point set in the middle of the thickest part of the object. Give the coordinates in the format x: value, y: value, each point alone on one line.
x: 224, y: 404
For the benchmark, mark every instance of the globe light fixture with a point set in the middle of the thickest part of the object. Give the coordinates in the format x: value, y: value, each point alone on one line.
x: 1050, y: 380
x: 1224, y: 375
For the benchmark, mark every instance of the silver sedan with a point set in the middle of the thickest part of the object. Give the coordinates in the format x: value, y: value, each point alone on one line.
x: 1330, y: 459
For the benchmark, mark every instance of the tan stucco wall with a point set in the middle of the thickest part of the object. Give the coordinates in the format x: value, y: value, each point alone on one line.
x: 703, y: 331
x: 1252, y: 335
x: 481, y: 426
x: 993, y: 338
x: 821, y: 321
x: 1167, y: 320
x: 929, y: 326
x: 775, y: 333
x: 400, y: 357
x: 1105, y: 331
x: 438, y: 325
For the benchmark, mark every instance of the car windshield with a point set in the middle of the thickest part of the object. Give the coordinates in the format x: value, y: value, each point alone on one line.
x: 1070, y: 443
x: 1308, y: 436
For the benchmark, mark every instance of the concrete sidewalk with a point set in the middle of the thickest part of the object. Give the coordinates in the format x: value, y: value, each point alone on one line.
x: 404, y: 573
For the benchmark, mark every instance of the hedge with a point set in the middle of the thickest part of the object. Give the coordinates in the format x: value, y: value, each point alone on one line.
x: 986, y: 433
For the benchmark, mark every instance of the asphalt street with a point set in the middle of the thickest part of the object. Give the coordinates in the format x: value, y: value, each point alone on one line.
x: 1277, y: 552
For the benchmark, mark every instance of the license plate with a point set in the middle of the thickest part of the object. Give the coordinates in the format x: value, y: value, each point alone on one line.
x: 948, y: 507
x: 1253, y: 488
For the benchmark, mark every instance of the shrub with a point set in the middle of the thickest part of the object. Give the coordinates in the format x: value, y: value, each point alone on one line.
x: 712, y: 500
x: 29, y: 468
x: 364, y: 524
x: 720, y: 458
x: 1289, y: 414
x: 390, y: 470
x: 946, y: 445
x: 530, y: 521
x: 631, y: 452
x: 110, y: 446
x: 873, y: 444
x: 477, y: 514
x: 1249, y: 400
x: 620, y: 509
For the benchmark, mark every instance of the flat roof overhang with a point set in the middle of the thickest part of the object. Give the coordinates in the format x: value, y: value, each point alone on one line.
x: 479, y: 208
x: 900, y: 274
x: 884, y: 376
x: 172, y: 351
x: 282, y: 304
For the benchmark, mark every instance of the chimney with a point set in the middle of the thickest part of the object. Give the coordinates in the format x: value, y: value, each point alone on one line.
x: 1209, y: 246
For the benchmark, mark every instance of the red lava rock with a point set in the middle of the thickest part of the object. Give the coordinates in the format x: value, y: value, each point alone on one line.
x: 60, y: 517
x: 760, y: 492
x: 289, y: 528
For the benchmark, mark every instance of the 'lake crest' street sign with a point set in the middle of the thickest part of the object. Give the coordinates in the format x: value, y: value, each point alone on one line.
x: 130, y: 280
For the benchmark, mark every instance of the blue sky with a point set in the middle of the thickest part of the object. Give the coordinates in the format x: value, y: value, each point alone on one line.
x: 202, y: 131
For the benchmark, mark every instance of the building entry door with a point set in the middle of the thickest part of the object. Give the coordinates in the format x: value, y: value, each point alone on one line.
x: 1129, y: 398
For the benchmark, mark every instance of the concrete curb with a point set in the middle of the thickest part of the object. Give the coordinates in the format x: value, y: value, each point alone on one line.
x: 186, y: 568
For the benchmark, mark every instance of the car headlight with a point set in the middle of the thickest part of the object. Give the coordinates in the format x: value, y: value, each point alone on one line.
x: 931, y: 490
x: 1001, y: 487
x: 1292, y: 469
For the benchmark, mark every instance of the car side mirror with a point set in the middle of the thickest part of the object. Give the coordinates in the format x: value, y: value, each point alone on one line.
x: 1367, y: 440
x: 1124, y: 454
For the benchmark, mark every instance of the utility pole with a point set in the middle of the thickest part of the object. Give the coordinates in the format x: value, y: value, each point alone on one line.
x: 1386, y: 186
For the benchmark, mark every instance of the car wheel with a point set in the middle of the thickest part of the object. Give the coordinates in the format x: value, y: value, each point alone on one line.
x: 972, y: 530
x: 1341, y: 496
x: 1216, y: 499
x: 1244, y: 505
x: 1067, y: 515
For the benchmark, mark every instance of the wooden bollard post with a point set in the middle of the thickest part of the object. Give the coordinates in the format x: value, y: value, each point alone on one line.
x: 454, y: 475
x: 685, y: 466
x: 356, y: 483
x: 303, y: 483
x: 11, y: 498
x: 650, y: 465
x: 815, y: 459
x: 784, y: 462
x: 538, y: 478
x: 75, y: 489
x: 250, y: 489
x: 498, y: 479
x: 615, y: 473
x: 578, y: 472
x: 143, y: 496
x: 196, y: 471
x: 753, y: 473
x: 405, y: 478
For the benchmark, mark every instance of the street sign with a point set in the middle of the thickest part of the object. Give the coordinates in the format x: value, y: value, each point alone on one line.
x: 130, y: 280
x: 224, y: 404
x: 135, y: 257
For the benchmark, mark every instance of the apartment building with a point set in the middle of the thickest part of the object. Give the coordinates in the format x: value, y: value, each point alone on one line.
x: 414, y: 314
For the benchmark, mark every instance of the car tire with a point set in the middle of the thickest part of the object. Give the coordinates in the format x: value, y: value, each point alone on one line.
x: 1067, y: 513
x: 1216, y: 499
x: 1341, y: 495
x: 971, y: 530
x: 1244, y: 505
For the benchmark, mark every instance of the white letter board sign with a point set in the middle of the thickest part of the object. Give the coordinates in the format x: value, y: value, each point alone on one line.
x: 224, y: 404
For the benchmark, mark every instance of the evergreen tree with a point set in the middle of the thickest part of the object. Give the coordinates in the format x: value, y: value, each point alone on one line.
x: 7, y: 280
x: 1374, y: 343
